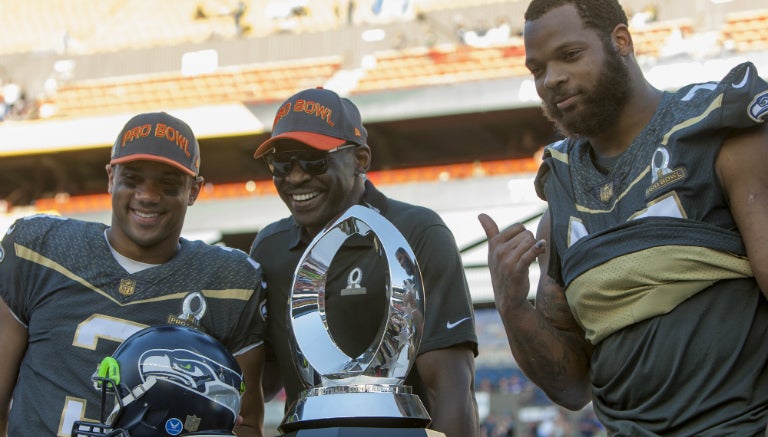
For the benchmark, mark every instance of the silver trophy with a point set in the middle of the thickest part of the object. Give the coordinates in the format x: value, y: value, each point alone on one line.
x: 366, y: 390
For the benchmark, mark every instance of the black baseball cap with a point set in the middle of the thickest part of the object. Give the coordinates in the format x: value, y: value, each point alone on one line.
x: 317, y: 117
x: 158, y: 136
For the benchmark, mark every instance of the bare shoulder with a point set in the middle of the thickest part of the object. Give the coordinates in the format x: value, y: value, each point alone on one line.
x: 744, y: 155
x: 741, y: 171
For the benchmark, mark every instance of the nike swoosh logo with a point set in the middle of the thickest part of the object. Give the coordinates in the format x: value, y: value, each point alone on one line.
x: 743, y: 81
x: 450, y: 325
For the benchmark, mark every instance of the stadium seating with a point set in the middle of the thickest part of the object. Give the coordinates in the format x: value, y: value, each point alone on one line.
x: 263, y: 82
x: 393, y: 69
x: 107, y: 22
x: 94, y: 26
x: 649, y: 39
x: 442, y: 65
x: 268, y: 82
x: 746, y: 31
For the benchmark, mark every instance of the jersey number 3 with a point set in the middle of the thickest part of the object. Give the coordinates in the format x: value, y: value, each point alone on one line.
x: 89, y: 333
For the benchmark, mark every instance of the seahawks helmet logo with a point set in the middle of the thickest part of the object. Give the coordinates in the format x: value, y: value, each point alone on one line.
x: 759, y: 107
x: 192, y: 371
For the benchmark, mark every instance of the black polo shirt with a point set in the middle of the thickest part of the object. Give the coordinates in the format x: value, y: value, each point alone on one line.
x: 354, y: 317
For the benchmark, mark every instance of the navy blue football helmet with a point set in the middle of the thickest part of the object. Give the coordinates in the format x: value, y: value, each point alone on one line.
x: 167, y: 381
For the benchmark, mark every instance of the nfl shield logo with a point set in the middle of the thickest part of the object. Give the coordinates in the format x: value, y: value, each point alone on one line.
x: 192, y: 423
x: 606, y: 192
x: 127, y: 287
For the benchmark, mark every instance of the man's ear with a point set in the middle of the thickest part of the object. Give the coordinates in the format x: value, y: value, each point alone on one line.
x: 110, y: 171
x: 197, y: 186
x: 622, y: 40
x: 362, y: 159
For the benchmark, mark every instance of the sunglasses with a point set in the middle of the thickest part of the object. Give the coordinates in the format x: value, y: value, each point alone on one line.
x: 312, y: 162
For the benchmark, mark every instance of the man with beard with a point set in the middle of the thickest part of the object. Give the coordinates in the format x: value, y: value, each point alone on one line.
x: 653, y: 252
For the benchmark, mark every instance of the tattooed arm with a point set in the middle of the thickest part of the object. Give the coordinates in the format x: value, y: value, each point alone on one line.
x: 545, y: 339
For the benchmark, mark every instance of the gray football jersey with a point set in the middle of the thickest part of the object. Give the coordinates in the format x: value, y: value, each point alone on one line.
x: 60, y: 280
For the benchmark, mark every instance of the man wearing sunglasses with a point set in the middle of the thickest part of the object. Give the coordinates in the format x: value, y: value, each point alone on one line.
x: 318, y: 156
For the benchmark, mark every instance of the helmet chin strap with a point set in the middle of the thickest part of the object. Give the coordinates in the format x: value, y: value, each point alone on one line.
x: 135, y: 393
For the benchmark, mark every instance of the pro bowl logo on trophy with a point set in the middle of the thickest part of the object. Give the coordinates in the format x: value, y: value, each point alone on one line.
x: 364, y: 390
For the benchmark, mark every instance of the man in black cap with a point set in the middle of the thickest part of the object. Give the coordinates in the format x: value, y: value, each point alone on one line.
x: 72, y: 290
x: 318, y: 156
x: 651, y: 301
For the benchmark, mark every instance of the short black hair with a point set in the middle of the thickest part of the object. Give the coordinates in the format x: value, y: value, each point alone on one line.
x: 601, y: 15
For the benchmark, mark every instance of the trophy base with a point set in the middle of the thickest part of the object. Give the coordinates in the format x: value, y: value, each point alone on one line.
x: 364, y: 431
x: 349, y: 409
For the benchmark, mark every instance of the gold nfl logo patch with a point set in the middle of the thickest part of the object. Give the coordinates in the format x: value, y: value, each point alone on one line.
x: 192, y: 423
x: 606, y: 193
x: 127, y: 287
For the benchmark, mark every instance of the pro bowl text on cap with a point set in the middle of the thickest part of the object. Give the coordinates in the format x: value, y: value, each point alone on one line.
x: 158, y: 136
x: 317, y: 117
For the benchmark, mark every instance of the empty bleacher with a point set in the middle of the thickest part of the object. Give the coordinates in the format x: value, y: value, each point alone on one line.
x: 267, y: 82
x: 392, y: 69
x: 94, y: 26
x: 263, y: 82
x: 746, y: 31
x: 442, y: 65
x: 649, y: 39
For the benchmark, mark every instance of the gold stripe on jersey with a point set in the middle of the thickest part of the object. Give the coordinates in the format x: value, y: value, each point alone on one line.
x: 233, y: 293
x: 638, y: 179
x: 647, y: 283
x: 716, y: 103
x: 558, y: 155
x: 32, y: 256
x: 35, y: 257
